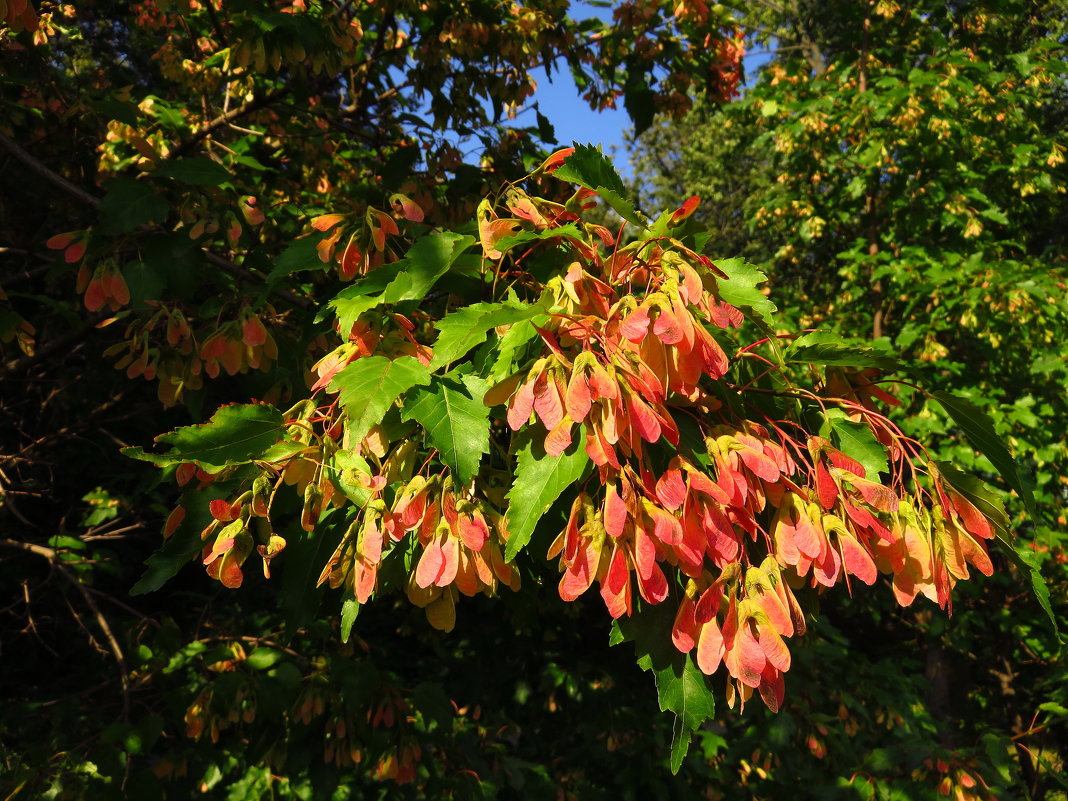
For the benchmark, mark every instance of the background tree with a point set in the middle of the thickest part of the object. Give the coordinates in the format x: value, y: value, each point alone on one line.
x: 900, y: 167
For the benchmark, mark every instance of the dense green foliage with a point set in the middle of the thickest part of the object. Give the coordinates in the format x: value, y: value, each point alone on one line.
x: 208, y: 207
x: 900, y: 174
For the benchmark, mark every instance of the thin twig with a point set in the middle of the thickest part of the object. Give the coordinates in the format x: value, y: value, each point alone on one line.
x: 117, y: 534
x: 100, y: 649
x: 16, y: 279
x: 53, y: 558
x: 125, y: 606
x: 87, y: 421
x: 208, y: 128
x: 239, y: 129
x: 10, y: 502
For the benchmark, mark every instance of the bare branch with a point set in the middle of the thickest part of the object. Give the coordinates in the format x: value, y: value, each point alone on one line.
x: 224, y: 119
x: 10, y: 502
x: 53, y: 558
x: 45, y: 351
x: 52, y: 177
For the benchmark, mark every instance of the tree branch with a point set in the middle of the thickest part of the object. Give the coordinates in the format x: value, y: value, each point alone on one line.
x: 53, y: 559
x: 45, y: 351
x: 238, y: 271
x: 208, y: 128
x: 54, y: 178
x: 91, y: 200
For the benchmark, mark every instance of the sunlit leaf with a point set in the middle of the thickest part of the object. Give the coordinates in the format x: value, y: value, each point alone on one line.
x: 539, y: 481
x: 236, y: 434
x: 856, y: 440
x: 465, y: 328
x: 456, y: 420
x: 741, y: 289
x: 590, y: 168
x: 368, y: 387
x: 826, y: 347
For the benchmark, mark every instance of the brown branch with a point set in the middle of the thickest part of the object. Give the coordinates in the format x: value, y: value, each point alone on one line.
x: 53, y: 559
x: 208, y: 128
x: 13, y: 280
x: 114, y: 534
x: 9, y: 502
x: 91, y: 200
x: 215, y: 23
x: 238, y: 271
x: 86, y: 421
x: 52, y: 177
x: 126, y: 607
x: 43, y: 352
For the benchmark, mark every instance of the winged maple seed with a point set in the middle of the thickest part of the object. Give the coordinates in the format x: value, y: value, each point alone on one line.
x: 702, y: 498
x: 366, y: 245
x: 629, y: 352
x: 165, y: 348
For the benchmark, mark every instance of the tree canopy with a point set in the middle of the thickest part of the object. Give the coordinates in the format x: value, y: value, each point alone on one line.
x: 360, y: 439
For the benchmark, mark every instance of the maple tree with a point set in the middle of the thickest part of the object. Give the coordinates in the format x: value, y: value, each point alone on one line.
x: 484, y: 388
x: 721, y: 484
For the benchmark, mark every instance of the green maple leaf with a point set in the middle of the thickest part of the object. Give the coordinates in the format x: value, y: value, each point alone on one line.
x: 681, y: 687
x: 196, y: 171
x: 300, y: 254
x: 457, y: 422
x: 236, y: 434
x: 425, y: 262
x: 539, y: 481
x: 510, y: 347
x: 409, y: 278
x: 590, y: 168
x: 856, y: 440
x: 829, y: 348
x: 348, y: 307
x: 350, y: 607
x: 128, y: 204
x: 184, y: 544
x: 684, y: 690
x: 369, y: 386
x: 979, y: 430
x: 570, y: 230
x: 741, y: 289
x: 465, y: 328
